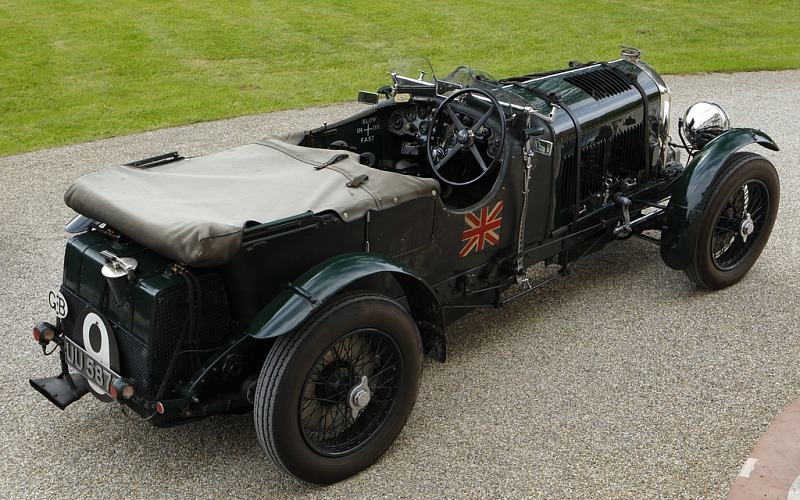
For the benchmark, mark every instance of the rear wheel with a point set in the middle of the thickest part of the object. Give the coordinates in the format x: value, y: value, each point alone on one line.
x: 334, y: 395
x: 736, y: 222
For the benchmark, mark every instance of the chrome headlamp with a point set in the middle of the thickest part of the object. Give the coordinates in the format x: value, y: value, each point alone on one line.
x: 704, y: 121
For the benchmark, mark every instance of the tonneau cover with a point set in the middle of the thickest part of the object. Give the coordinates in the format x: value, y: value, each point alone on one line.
x: 194, y: 211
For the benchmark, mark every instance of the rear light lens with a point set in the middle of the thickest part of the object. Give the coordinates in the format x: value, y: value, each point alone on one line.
x: 121, y: 388
x: 160, y: 408
x: 44, y: 333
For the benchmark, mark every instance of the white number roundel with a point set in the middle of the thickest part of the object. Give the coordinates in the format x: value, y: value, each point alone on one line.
x: 96, y: 341
x: 96, y: 334
x: 95, y: 337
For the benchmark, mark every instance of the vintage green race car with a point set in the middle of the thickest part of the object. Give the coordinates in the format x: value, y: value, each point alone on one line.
x: 303, y: 278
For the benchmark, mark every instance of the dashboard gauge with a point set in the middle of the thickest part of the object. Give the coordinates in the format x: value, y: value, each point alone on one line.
x: 493, y: 148
x: 451, y: 141
x: 396, y: 121
x: 410, y: 113
x: 423, y: 128
x: 422, y: 111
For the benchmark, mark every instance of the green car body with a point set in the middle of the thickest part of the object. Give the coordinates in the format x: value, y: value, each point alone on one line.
x: 505, y: 174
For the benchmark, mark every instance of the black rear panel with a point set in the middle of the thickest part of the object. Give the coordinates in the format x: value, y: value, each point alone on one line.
x: 147, y: 364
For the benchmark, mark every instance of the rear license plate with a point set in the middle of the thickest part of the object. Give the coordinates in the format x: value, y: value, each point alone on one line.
x: 99, y: 375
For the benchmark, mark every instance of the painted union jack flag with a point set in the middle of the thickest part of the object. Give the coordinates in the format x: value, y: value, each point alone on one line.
x: 483, y: 229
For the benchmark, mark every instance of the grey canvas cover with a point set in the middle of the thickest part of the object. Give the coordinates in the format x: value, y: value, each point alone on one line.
x: 194, y: 211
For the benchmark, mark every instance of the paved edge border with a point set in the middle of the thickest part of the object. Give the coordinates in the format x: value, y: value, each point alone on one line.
x: 773, y: 469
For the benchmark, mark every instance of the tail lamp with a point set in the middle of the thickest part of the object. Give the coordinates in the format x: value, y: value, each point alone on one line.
x: 44, y: 333
x: 121, y: 388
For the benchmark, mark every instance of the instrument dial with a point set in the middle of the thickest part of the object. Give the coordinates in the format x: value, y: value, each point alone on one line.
x: 396, y: 121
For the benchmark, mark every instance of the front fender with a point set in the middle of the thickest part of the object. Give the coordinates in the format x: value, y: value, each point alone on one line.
x: 299, y: 299
x: 681, y: 226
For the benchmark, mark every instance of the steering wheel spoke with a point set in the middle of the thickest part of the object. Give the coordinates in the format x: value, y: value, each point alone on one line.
x: 482, y: 120
x: 458, y: 154
x: 450, y: 154
x: 456, y: 120
x: 478, y: 158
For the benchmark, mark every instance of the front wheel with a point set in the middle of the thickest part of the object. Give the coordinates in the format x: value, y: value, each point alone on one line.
x: 736, y: 222
x: 334, y: 395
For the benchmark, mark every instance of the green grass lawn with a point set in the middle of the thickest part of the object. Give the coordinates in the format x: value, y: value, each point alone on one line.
x: 74, y: 70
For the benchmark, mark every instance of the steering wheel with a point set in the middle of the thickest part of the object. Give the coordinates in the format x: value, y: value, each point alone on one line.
x: 457, y: 127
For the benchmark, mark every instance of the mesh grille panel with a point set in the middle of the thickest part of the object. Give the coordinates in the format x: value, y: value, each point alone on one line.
x: 171, y: 319
x: 132, y: 351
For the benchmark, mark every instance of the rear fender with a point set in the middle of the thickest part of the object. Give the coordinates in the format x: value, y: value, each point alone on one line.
x: 301, y: 298
x: 681, y: 226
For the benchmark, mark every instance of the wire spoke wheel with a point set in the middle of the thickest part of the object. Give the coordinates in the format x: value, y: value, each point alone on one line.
x: 332, y: 419
x: 739, y: 213
x: 739, y: 225
x: 333, y: 395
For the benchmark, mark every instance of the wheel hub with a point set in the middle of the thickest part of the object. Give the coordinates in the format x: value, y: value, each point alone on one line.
x: 359, y: 396
x: 747, y: 227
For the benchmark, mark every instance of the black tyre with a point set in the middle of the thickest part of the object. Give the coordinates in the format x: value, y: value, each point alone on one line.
x: 737, y: 220
x: 334, y: 395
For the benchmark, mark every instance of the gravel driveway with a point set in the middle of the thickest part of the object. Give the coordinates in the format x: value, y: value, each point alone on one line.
x: 621, y: 380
